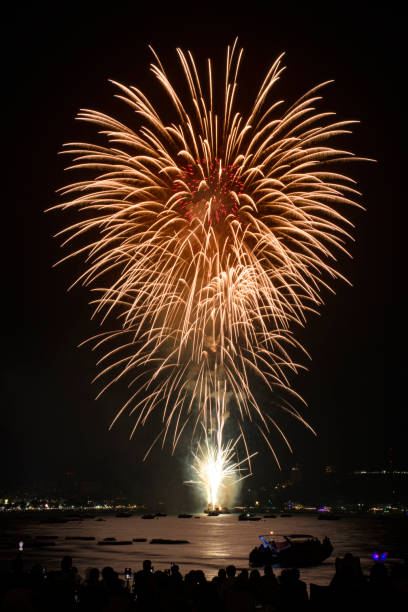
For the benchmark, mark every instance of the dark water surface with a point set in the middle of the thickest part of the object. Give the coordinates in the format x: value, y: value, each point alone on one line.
x: 214, y: 541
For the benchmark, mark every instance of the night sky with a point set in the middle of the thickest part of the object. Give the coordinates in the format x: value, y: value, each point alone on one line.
x: 62, y: 61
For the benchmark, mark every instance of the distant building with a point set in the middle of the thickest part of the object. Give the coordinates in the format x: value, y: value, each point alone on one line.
x: 296, y: 474
x: 380, y: 472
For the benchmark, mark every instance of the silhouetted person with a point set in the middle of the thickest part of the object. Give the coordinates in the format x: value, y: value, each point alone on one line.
x: 66, y: 564
x: 162, y: 592
x: 226, y: 584
x: 348, y: 572
x: 292, y: 591
x: 92, y: 595
x: 63, y: 586
x: 239, y: 597
x: 269, y: 587
x: 217, y: 584
x: 39, y: 587
x: 399, y: 585
x: 255, y: 585
x: 117, y: 597
x: 18, y: 577
x: 231, y: 571
x: 215, y: 588
x: 175, y: 573
x: 18, y: 591
x: 203, y: 592
x: 190, y: 583
x: 143, y: 586
x: 175, y: 586
x: 348, y: 583
x: 379, y: 591
x: 243, y: 576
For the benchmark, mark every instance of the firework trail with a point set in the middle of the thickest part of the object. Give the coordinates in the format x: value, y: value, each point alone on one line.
x: 208, y: 238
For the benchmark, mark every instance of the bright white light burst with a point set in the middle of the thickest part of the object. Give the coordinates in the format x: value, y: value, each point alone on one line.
x: 218, y: 469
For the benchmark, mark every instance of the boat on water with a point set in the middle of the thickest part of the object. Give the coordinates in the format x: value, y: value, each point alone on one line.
x: 212, y: 510
x: 115, y: 542
x: 246, y: 516
x: 296, y: 550
x: 164, y: 541
x: 124, y: 514
x: 149, y: 516
x: 216, y: 510
x: 185, y: 516
x: 37, y: 544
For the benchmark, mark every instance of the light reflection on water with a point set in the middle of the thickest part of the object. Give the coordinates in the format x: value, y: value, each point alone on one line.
x: 214, y: 542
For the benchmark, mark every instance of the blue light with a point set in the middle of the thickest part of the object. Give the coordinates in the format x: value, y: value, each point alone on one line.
x: 378, y: 557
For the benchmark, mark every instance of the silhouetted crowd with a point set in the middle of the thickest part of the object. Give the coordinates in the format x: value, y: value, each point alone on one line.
x: 230, y: 591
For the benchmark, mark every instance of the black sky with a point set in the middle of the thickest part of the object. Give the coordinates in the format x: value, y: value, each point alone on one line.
x: 61, y: 61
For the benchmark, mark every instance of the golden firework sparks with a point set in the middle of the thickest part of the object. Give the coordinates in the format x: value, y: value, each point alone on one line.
x: 208, y: 238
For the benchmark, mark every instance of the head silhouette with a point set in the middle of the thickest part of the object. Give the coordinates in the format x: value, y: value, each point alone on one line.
x: 66, y: 564
x: 231, y: 571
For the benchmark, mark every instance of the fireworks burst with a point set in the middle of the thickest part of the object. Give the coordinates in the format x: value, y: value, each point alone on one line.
x: 208, y: 238
x: 217, y: 468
